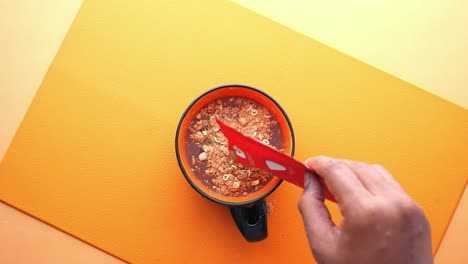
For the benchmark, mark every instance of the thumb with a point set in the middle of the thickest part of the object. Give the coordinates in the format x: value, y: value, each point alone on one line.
x: 315, y: 215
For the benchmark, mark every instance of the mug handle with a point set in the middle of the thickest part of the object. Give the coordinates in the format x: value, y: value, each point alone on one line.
x: 251, y: 220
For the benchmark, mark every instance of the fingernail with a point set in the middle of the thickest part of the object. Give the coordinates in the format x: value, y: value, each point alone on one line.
x: 308, y: 162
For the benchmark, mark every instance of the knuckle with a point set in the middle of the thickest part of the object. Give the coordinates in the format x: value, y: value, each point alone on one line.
x: 365, y: 215
x: 358, y: 165
x: 334, y: 166
x: 408, y: 210
x: 378, y: 165
x: 370, y: 211
x: 301, y: 204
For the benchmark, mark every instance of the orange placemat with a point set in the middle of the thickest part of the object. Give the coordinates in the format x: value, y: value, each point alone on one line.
x: 94, y: 155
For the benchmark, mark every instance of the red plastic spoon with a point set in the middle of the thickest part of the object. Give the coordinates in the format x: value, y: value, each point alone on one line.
x: 249, y: 151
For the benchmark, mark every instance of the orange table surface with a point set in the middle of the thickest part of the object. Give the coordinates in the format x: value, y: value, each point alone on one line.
x: 95, y: 157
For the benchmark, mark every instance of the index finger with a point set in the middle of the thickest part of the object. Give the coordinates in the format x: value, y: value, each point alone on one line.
x: 340, y: 180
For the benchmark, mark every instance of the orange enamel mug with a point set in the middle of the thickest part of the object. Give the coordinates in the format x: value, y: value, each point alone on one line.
x: 249, y: 211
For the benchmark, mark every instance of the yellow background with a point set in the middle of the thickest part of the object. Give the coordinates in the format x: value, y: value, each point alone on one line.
x: 420, y: 41
x: 32, y: 32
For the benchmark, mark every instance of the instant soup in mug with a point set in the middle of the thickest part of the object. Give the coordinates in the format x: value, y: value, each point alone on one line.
x: 207, y: 148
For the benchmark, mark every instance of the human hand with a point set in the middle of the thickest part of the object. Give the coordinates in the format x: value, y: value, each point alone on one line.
x: 381, y: 223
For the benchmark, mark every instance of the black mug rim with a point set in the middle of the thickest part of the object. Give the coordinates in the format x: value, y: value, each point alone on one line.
x: 179, y: 160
